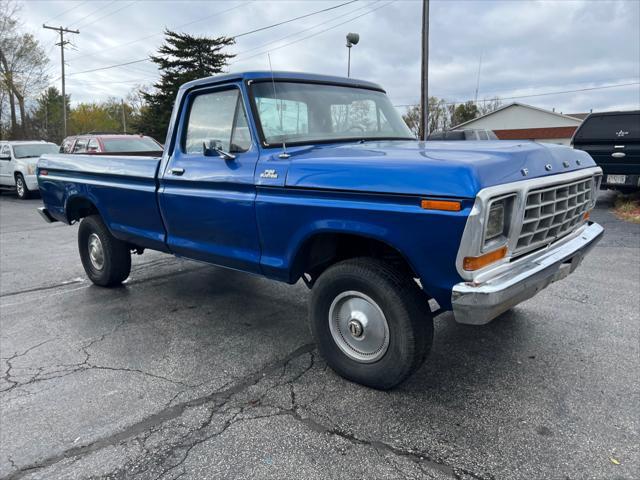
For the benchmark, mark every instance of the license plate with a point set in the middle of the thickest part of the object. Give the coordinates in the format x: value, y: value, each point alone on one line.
x: 616, y: 179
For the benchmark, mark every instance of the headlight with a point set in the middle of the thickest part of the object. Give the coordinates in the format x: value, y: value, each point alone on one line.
x: 498, y: 219
x: 31, y: 169
x: 495, y: 220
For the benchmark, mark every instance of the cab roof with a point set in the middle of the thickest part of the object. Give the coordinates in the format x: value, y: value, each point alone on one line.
x: 281, y: 75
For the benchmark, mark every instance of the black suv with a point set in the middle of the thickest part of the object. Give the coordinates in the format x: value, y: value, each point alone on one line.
x: 613, y: 140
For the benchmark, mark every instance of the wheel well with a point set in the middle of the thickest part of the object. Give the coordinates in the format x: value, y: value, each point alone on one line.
x: 323, y: 250
x: 80, y: 207
x: 16, y: 173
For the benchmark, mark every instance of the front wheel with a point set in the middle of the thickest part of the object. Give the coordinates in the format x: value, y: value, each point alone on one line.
x: 371, y: 322
x: 22, y: 191
x: 106, y: 260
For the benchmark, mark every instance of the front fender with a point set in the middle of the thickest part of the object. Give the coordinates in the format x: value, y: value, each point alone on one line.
x: 428, y: 240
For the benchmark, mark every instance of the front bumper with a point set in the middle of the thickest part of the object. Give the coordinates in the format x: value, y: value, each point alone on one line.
x: 479, y: 304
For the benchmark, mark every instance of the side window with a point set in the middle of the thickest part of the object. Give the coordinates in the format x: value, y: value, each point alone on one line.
x: 81, y: 146
x: 93, y: 145
x: 5, y: 152
x: 217, y: 116
x: 283, y: 117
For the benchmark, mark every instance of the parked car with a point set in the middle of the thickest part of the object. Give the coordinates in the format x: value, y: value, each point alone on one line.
x: 111, y: 144
x: 18, y: 165
x: 464, y: 134
x: 296, y: 176
x: 613, y: 140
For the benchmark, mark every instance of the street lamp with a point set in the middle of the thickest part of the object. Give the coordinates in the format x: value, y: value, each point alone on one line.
x: 352, y: 39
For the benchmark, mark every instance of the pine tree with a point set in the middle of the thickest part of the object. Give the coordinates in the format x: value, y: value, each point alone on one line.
x: 47, y: 118
x: 181, y: 58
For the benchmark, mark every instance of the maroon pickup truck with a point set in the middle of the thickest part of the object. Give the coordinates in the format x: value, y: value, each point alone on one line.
x: 111, y: 144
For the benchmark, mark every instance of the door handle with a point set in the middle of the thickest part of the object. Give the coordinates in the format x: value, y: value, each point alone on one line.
x: 618, y: 155
x: 177, y: 171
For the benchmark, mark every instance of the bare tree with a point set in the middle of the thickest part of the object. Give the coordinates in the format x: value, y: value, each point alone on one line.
x: 489, y: 105
x: 22, y: 64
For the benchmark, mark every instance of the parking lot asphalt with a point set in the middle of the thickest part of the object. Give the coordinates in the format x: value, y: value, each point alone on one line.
x: 193, y: 371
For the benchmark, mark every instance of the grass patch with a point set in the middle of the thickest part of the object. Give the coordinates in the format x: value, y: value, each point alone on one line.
x: 627, y: 207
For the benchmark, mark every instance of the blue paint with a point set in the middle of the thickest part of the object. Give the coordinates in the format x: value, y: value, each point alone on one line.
x: 229, y: 213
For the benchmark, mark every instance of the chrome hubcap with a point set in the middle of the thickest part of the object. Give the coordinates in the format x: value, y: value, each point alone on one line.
x: 96, y: 252
x: 359, y: 327
x: 19, y: 186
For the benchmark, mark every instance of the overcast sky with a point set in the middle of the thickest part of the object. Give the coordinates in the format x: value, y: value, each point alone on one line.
x: 527, y: 47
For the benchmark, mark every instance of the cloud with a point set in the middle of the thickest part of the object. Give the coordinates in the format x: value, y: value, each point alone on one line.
x: 526, y: 47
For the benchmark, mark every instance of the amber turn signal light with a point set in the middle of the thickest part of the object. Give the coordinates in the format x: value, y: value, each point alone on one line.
x: 586, y: 215
x: 476, y: 263
x: 447, y: 205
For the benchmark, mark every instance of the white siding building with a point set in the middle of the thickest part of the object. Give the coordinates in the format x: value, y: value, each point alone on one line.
x: 518, y: 121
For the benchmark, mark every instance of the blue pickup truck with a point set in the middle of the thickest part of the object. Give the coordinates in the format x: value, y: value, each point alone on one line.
x: 317, y: 178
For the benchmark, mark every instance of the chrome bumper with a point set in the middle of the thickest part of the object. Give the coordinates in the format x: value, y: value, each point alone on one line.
x: 477, y: 305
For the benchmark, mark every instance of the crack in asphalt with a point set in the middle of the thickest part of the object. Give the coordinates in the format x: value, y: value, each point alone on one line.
x: 136, y: 268
x: 220, y: 397
x: 43, y: 288
x: 62, y: 370
x: 167, y: 460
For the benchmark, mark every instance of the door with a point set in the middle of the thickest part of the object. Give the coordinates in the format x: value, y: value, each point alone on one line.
x: 6, y: 172
x: 207, y: 201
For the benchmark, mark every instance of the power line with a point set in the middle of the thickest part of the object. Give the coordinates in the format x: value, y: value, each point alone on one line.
x: 293, y: 19
x: 90, y: 54
x: 267, y: 27
x: 259, y: 47
x: 586, y: 89
x: 106, y: 15
x: 315, y: 34
x: 67, y: 11
x: 146, y: 59
x: 93, y: 12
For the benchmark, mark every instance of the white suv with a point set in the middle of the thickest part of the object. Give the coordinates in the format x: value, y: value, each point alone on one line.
x: 18, y: 161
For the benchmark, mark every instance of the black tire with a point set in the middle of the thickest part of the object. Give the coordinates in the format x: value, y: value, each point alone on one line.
x: 403, y: 305
x: 116, y: 255
x: 22, y: 191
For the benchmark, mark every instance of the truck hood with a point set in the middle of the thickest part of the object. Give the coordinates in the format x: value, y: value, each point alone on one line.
x: 450, y: 169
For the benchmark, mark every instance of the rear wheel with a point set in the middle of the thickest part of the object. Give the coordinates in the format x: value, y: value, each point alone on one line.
x: 371, y: 322
x: 22, y: 191
x: 106, y: 260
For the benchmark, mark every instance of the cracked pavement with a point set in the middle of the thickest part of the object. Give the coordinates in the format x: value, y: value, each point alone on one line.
x: 190, y: 371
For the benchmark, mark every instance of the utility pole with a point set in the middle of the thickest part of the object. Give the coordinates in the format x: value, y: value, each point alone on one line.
x: 424, y: 90
x: 62, y: 43
x: 124, y: 118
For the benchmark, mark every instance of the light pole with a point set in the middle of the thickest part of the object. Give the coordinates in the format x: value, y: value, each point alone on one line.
x: 352, y: 39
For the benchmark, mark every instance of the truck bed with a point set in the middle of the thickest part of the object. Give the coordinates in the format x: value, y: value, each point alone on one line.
x: 122, y: 188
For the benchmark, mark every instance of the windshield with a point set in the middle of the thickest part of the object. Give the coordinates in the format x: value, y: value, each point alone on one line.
x: 133, y: 144
x: 305, y: 112
x: 34, y: 150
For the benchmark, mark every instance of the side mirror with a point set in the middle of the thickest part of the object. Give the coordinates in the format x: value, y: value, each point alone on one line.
x: 215, y: 150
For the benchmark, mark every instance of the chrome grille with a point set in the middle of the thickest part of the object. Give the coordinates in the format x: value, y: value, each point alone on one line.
x: 553, y: 212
